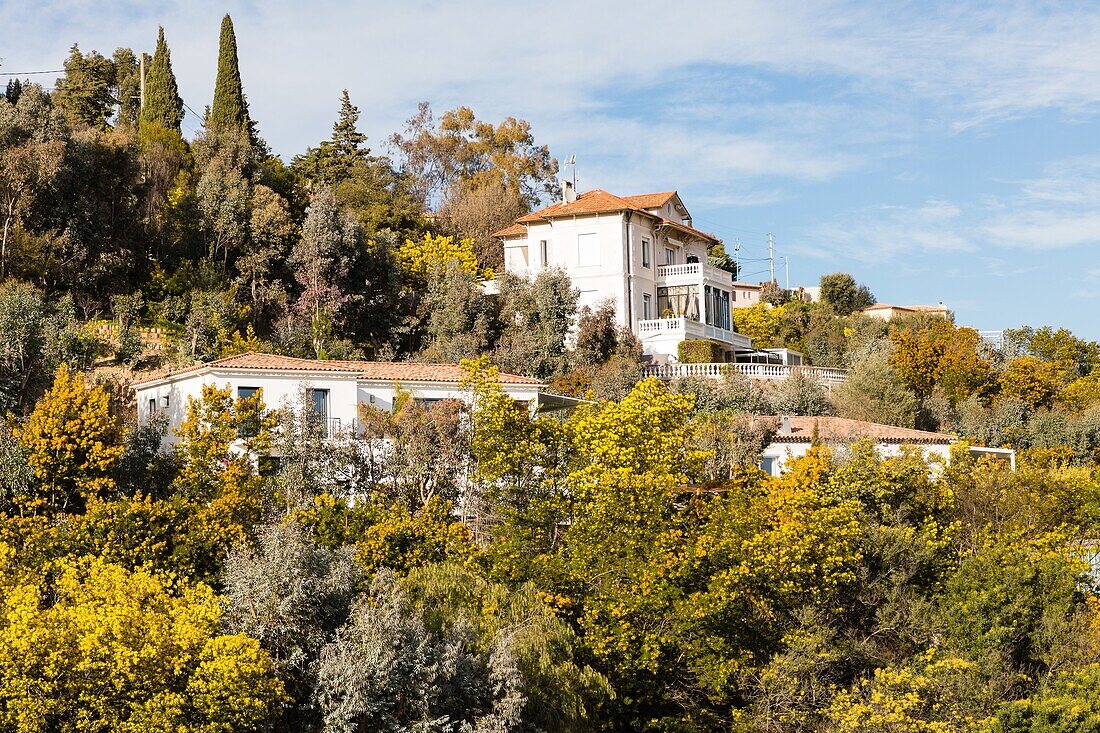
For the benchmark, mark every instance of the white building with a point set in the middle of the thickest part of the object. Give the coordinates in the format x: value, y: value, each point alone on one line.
x: 746, y: 295
x: 795, y: 437
x: 643, y: 253
x: 337, y: 388
x: 888, y: 312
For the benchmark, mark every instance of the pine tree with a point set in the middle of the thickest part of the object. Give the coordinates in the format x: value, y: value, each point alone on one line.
x: 230, y: 109
x: 86, y: 92
x: 333, y: 161
x: 346, y: 137
x: 162, y: 98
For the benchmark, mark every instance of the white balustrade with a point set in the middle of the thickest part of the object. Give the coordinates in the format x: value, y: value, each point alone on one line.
x: 693, y: 268
x: 697, y: 271
x: 825, y: 375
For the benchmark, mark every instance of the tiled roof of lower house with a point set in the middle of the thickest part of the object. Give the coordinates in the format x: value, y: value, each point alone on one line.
x: 390, y: 371
x: 843, y: 430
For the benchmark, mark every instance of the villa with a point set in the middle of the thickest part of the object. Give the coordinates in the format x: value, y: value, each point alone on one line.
x: 643, y: 253
x: 336, y: 388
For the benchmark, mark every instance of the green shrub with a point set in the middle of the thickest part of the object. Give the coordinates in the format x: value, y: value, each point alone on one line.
x: 698, y: 351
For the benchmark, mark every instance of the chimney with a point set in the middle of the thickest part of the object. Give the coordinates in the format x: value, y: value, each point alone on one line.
x: 785, y: 425
x: 568, y: 193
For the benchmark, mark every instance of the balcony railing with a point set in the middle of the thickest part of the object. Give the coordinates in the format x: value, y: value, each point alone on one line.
x: 331, y: 425
x: 824, y: 375
x: 686, y: 328
x: 693, y: 272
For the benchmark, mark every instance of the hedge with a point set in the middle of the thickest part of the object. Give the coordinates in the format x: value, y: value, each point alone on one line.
x: 698, y: 351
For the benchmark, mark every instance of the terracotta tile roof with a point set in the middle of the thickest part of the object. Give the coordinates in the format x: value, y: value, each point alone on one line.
x: 513, y: 231
x: 389, y: 371
x: 598, y: 201
x: 649, y: 200
x: 843, y: 430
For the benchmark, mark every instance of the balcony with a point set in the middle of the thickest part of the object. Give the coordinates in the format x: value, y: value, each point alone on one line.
x: 692, y: 274
x: 679, y: 329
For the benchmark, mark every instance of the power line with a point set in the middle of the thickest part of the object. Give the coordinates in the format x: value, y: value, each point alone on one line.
x: 31, y: 73
x: 188, y: 108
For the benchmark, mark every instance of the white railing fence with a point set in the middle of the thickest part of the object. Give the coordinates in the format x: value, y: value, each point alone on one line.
x: 825, y: 375
x: 693, y: 268
x: 662, y: 324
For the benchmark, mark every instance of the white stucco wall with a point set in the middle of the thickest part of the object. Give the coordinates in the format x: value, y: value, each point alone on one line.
x: 614, y: 277
x: 783, y: 453
x: 346, y: 391
x: 745, y: 297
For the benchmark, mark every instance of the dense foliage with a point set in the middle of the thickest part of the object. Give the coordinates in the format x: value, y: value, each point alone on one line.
x: 479, y: 567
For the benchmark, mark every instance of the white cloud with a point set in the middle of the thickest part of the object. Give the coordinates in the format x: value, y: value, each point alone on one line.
x: 888, y: 232
x: 557, y: 63
x: 1060, y: 209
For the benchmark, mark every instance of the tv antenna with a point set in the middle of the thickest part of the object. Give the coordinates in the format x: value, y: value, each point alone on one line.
x: 572, y: 162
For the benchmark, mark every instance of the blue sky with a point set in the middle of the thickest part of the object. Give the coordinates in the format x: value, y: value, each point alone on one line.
x: 935, y: 151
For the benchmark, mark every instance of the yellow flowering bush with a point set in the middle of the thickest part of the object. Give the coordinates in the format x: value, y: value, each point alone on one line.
x: 72, y: 442
x: 418, y: 257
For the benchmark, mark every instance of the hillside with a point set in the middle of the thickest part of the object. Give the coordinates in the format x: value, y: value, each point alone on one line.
x: 475, y: 565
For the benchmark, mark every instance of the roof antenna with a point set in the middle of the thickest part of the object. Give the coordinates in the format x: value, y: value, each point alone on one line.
x: 572, y: 161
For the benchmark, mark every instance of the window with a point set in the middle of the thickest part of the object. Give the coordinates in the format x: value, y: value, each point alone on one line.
x: 588, y: 250
x: 544, y: 253
x: 767, y: 465
x: 320, y: 402
x: 152, y: 405
x: 670, y: 256
x: 426, y: 403
x: 517, y: 258
x: 645, y: 253
x: 164, y: 399
x: 248, y: 428
x: 678, y: 301
x: 718, y: 307
x: 647, y: 306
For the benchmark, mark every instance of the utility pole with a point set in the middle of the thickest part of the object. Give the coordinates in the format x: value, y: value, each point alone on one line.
x: 787, y: 267
x: 771, y: 255
x: 736, y: 260
x: 141, y: 76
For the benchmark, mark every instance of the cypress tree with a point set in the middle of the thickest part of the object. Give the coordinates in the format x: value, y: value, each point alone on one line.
x: 162, y: 97
x: 230, y: 109
x: 14, y: 89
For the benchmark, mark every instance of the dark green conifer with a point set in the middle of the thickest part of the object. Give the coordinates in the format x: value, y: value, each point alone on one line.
x: 346, y: 138
x: 162, y: 98
x: 230, y: 108
x: 14, y: 89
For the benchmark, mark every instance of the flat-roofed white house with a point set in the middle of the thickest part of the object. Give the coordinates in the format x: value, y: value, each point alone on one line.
x: 887, y: 312
x: 794, y: 438
x: 746, y: 295
x: 336, y: 388
x: 643, y: 253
